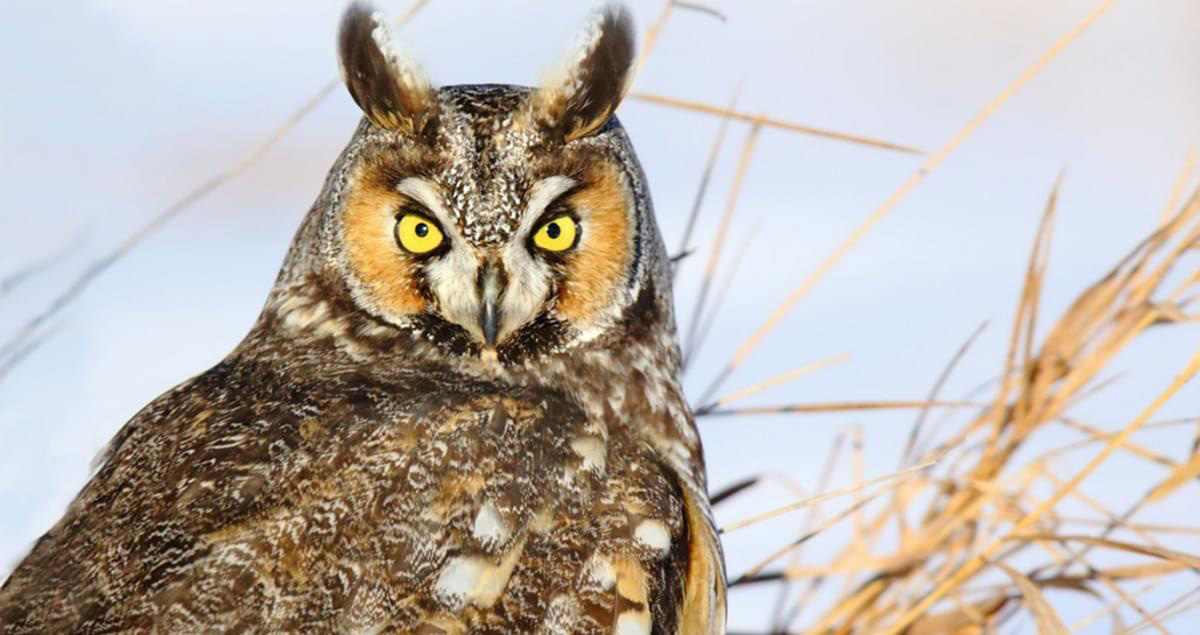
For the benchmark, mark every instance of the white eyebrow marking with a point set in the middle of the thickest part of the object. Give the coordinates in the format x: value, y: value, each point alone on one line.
x: 541, y: 195
x: 426, y: 194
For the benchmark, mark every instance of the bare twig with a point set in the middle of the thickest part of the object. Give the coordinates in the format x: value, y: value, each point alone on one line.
x: 702, y: 188
x: 714, y: 254
x: 937, y: 388
x: 15, y: 279
x: 757, y: 518
x: 770, y: 122
x: 782, y: 378
x: 710, y: 319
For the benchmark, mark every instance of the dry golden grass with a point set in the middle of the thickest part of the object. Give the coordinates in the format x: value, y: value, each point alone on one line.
x: 978, y: 509
x: 964, y: 510
x: 944, y: 544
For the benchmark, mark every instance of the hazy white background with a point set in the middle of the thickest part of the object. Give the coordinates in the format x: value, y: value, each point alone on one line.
x: 110, y: 110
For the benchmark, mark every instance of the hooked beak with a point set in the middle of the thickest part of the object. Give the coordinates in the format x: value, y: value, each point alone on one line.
x: 490, y: 287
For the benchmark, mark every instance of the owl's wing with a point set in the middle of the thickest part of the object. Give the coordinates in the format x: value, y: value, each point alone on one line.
x: 703, y: 607
x: 253, y: 498
x: 647, y: 561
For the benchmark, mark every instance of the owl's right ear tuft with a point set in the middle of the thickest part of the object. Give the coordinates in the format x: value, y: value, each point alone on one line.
x: 579, y: 96
x: 391, y: 89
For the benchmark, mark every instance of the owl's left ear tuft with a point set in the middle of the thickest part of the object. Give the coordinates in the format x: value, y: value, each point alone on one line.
x: 391, y: 89
x: 588, y: 85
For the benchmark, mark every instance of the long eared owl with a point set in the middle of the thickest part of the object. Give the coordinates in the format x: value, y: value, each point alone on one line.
x: 459, y: 410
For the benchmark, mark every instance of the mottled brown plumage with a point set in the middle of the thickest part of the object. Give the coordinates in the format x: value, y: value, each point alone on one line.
x: 467, y: 428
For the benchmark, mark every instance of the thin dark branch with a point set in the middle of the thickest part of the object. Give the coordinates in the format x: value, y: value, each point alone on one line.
x: 732, y: 490
x: 696, y: 6
x: 710, y: 319
x: 774, y: 576
x: 29, y: 346
x: 702, y: 187
x: 10, y: 283
x: 677, y: 258
x: 714, y: 254
x: 937, y: 388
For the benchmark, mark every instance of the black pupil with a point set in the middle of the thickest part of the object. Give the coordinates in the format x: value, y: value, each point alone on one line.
x: 553, y: 230
x: 421, y: 230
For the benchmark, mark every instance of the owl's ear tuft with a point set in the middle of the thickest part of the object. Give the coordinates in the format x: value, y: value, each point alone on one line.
x: 587, y: 86
x: 391, y: 89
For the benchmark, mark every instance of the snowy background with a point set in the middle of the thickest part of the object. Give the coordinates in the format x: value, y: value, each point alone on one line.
x: 111, y: 110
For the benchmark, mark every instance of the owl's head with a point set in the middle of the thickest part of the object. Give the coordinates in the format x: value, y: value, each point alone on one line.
x: 496, y: 221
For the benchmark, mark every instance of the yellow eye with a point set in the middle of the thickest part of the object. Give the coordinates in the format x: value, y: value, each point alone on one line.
x: 557, y: 234
x: 417, y: 234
